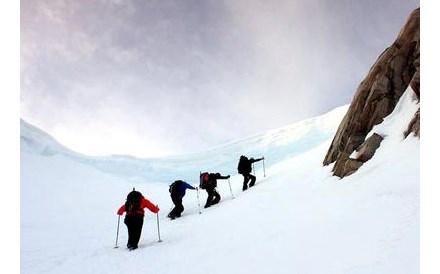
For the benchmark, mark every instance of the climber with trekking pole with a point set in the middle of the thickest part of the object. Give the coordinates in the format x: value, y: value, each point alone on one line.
x: 134, y: 217
x: 208, y: 182
x: 177, y: 192
x: 245, y: 168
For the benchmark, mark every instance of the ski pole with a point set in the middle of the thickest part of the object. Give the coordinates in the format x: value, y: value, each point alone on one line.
x: 230, y: 188
x: 198, y: 200
x: 117, y: 232
x: 158, y: 228
x: 264, y: 169
x: 253, y: 169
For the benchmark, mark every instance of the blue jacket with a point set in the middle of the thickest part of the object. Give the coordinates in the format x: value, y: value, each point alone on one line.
x: 183, y: 187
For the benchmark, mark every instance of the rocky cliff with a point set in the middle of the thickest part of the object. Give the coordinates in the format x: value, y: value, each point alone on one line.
x: 375, y: 98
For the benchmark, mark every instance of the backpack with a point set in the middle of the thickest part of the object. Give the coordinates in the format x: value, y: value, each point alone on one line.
x: 174, y: 187
x: 204, y: 180
x: 133, y: 202
x: 244, y: 166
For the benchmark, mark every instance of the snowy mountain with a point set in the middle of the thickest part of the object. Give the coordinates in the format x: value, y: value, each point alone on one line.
x: 297, y: 219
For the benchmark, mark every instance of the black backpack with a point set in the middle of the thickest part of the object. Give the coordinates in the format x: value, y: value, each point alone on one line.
x: 244, y: 166
x: 204, y: 180
x: 133, y: 202
x: 174, y: 187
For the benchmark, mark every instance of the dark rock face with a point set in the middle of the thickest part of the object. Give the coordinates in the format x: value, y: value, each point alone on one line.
x: 368, y: 148
x: 345, y: 165
x: 377, y: 95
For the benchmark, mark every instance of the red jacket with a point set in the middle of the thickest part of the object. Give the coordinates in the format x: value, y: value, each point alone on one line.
x: 144, y: 204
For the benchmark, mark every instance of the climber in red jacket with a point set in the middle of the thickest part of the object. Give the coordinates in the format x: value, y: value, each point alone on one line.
x: 134, y: 217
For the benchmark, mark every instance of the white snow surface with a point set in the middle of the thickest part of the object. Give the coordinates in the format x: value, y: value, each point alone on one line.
x: 297, y: 219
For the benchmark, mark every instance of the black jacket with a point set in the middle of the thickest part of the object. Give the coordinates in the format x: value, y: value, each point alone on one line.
x: 213, y: 177
x: 245, y: 164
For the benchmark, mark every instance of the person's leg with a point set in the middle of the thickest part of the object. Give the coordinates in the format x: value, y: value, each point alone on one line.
x: 138, y: 221
x: 245, y: 181
x: 253, y: 179
x: 174, y: 211
x: 210, y: 196
x: 129, y: 223
x: 179, y: 207
x: 216, y: 197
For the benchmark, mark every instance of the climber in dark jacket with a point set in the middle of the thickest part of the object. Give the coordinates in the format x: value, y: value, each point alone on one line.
x: 245, y: 169
x: 208, y: 182
x: 177, y: 191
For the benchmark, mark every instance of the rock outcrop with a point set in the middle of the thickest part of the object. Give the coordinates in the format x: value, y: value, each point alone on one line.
x: 375, y: 98
x: 366, y: 151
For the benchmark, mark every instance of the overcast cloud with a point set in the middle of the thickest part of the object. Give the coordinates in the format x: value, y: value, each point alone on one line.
x: 152, y: 78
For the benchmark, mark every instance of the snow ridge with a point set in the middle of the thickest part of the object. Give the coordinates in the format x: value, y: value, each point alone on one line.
x: 275, y: 145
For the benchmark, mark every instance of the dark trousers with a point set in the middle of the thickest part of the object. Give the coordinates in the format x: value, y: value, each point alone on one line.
x: 178, y: 207
x: 213, y: 197
x: 134, y: 225
x: 248, y: 177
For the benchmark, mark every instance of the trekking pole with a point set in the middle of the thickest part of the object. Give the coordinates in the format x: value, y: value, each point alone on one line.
x: 198, y: 200
x: 264, y: 169
x: 158, y: 227
x: 253, y: 169
x: 117, y: 232
x: 230, y: 188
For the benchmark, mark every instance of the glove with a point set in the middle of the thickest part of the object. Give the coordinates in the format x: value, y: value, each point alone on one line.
x: 229, y: 176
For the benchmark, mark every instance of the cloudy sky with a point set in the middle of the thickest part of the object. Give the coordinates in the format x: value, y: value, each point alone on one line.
x: 162, y: 77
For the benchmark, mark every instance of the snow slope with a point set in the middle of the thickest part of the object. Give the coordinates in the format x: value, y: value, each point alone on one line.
x: 297, y: 219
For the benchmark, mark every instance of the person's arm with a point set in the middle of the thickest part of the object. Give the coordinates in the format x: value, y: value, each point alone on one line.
x: 252, y: 160
x: 121, y: 210
x: 146, y: 203
x: 219, y: 176
x: 188, y: 186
